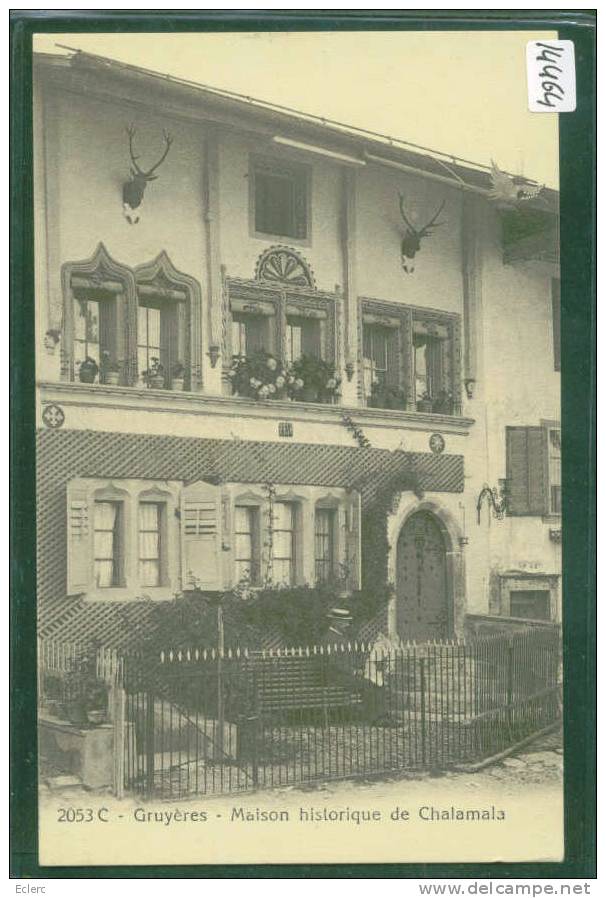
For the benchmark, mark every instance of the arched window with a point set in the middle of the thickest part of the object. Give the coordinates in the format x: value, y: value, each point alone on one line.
x: 169, y: 337
x: 99, y: 319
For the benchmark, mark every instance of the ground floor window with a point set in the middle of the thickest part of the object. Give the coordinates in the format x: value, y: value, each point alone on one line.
x: 531, y: 604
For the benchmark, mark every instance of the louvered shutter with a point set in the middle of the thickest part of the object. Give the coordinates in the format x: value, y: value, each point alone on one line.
x: 526, y: 470
x: 354, y: 554
x: 79, y: 539
x: 201, y: 562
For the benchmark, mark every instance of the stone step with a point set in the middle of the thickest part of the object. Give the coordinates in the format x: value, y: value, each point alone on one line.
x: 64, y: 781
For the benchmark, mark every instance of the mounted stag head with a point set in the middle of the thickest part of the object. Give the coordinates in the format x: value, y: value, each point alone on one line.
x: 133, y: 190
x: 411, y: 242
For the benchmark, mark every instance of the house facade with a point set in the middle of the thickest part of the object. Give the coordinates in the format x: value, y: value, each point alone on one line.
x: 429, y: 305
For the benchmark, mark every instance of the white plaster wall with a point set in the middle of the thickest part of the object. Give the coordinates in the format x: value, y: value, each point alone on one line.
x: 436, y: 281
x: 85, y: 150
x: 240, y: 249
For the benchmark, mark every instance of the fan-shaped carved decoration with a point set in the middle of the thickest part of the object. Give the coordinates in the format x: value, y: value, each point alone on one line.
x: 284, y: 265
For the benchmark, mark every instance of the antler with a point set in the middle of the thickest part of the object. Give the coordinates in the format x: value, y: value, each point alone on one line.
x: 147, y: 175
x: 410, y: 226
x: 426, y: 230
x: 168, y: 141
x: 131, y: 131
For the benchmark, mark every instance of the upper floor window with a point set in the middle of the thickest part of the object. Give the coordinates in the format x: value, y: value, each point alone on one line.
x: 252, y: 333
x: 380, y: 357
x: 305, y: 335
x: 411, y: 358
x: 280, y: 198
x: 126, y: 327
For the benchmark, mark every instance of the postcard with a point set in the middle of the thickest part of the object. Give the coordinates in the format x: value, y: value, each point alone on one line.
x: 299, y: 502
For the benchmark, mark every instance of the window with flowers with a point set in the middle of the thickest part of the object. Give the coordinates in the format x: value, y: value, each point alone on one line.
x: 282, y: 343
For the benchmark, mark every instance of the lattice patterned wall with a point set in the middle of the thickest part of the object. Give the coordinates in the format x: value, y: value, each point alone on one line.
x: 63, y: 455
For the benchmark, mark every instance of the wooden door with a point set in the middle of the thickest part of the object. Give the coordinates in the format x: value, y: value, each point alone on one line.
x: 422, y: 583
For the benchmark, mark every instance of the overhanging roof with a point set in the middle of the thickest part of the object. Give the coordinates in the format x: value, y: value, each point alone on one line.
x: 87, y: 71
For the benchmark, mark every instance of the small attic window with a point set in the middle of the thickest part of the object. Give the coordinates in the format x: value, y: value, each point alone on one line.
x: 280, y: 196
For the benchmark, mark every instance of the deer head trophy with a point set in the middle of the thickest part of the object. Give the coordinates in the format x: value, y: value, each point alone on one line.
x: 134, y: 189
x: 411, y: 242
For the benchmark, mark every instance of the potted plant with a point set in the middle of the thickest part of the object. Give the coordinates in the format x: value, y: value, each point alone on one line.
x: 258, y: 376
x: 154, y: 376
x: 313, y: 380
x: 425, y: 403
x: 383, y: 396
x: 88, y: 370
x: 86, y: 694
x: 177, y: 376
x: 110, y: 370
x: 443, y: 403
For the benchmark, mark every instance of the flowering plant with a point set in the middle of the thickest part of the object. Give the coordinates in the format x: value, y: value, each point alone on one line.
x: 309, y: 373
x: 259, y: 376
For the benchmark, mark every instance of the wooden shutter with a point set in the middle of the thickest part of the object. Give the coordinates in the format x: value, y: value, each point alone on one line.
x: 526, y: 470
x: 79, y: 538
x: 555, y: 308
x: 201, y: 542
x: 354, y: 554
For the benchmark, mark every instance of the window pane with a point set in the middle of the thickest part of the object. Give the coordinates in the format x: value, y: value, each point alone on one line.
x: 153, y: 328
x: 324, y: 543
x: 106, y: 544
x: 149, y: 573
x: 274, y: 204
x: 92, y: 321
x: 282, y: 572
x: 142, y: 325
x: 294, y: 341
x: 238, y: 337
x: 149, y: 543
x: 80, y: 315
x: 283, y: 516
x: 243, y: 546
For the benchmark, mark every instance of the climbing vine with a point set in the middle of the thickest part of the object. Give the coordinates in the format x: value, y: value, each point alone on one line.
x: 356, y: 431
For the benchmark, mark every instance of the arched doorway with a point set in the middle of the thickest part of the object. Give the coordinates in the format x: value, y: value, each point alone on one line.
x: 423, y: 601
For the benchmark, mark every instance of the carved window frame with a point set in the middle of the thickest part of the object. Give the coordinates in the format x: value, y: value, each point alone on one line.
x: 92, y: 274
x: 280, y: 296
x: 172, y: 286
x: 407, y: 315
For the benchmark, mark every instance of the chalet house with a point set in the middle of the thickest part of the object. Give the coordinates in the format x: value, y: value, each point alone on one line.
x: 408, y: 315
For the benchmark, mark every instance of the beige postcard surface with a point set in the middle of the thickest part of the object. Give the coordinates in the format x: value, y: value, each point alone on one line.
x: 298, y: 446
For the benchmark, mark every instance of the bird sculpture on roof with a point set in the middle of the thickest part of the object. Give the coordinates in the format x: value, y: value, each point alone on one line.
x: 509, y: 191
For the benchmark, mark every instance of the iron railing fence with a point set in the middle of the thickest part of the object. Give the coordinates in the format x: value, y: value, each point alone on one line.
x: 207, y: 722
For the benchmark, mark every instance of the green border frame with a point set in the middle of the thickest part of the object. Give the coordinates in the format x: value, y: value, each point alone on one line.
x: 578, y: 261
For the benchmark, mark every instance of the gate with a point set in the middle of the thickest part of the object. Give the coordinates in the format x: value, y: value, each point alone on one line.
x: 205, y: 723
